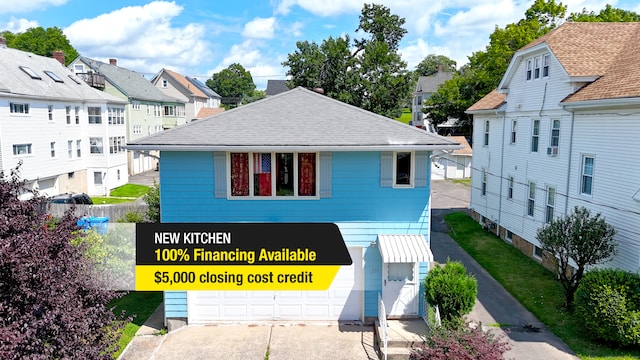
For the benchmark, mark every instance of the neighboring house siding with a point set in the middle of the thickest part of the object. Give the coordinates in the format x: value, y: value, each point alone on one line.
x: 616, y: 176
x: 360, y: 207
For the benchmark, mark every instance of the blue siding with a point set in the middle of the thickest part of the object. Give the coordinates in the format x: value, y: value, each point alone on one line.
x: 359, y: 205
x: 175, y: 304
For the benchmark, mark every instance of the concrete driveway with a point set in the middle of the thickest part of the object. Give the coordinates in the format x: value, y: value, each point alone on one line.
x: 273, y: 341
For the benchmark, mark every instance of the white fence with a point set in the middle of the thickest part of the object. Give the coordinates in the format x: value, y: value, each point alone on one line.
x: 382, y: 318
x: 114, y: 211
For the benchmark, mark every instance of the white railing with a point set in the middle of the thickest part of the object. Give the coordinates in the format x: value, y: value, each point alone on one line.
x: 426, y: 313
x: 382, y: 318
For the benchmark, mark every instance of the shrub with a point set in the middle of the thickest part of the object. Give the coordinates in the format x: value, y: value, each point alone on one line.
x: 608, y: 302
x: 461, y: 343
x: 451, y: 289
x: 152, y: 198
x: 133, y: 217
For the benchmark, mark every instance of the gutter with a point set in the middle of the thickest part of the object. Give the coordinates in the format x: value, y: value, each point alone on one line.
x: 290, y: 148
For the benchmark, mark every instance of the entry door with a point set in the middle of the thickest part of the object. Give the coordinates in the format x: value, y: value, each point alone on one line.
x: 400, y: 289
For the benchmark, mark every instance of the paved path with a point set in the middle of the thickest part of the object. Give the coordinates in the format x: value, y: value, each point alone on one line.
x: 529, y: 338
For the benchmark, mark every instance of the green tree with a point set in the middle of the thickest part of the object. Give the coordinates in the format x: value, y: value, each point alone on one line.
x: 608, y: 14
x: 581, y: 238
x: 233, y: 82
x: 366, y: 72
x: 152, y: 198
x: 429, y: 65
x: 43, y: 42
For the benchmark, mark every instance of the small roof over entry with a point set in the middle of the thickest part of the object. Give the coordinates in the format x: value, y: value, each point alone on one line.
x: 406, y: 248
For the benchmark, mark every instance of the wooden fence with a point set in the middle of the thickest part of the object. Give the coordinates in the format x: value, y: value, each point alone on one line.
x: 113, y: 211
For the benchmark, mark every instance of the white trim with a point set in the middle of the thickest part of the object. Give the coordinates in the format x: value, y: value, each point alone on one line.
x: 412, y: 171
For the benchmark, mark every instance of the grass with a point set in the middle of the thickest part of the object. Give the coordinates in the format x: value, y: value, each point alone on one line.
x: 466, y: 182
x: 406, y: 116
x: 140, y: 305
x: 122, y: 194
x: 533, y: 285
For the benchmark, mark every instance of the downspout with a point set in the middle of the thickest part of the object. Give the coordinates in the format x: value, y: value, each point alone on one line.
x: 566, y: 198
x: 504, y: 125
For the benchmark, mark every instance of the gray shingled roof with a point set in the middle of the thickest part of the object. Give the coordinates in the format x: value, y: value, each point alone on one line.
x: 131, y: 83
x: 429, y: 84
x: 15, y: 82
x: 275, y: 87
x: 297, y: 118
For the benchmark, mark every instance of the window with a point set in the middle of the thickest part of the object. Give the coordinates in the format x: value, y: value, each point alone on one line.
x: 555, y: 133
x: 52, y: 145
x: 551, y: 203
x: 30, y: 72
x: 116, y: 116
x: 148, y: 109
x: 77, y: 112
x: 115, y: 144
x: 157, y: 110
x: 531, y: 203
x: 53, y: 76
x: 545, y: 65
x: 537, y: 252
x: 529, y: 70
x: 586, y: 182
x: 16, y: 108
x: 137, y: 129
x: 70, y: 149
x: 535, y: 135
x: 95, y: 115
x: 95, y: 145
x: 118, y: 174
x: 22, y: 149
x: 510, y: 190
x: 169, y: 110
x: 536, y: 68
x: 514, y: 127
x: 400, y: 272
x: 50, y: 112
x: 97, y: 178
x: 78, y: 68
x: 165, y: 83
x: 78, y: 148
x: 484, y: 182
x: 67, y: 110
x: 403, y: 165
x: 509, y: 236
x: 135, y: 105
x: 273, y: 174
x: 486, y: 133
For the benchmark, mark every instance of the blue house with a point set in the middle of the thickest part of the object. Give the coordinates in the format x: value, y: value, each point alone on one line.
x: 300, y: 156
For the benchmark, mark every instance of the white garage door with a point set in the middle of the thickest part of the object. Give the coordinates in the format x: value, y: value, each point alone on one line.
x: 343, y: 301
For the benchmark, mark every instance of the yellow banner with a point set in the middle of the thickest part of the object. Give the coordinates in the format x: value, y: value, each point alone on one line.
x: 249, y: 277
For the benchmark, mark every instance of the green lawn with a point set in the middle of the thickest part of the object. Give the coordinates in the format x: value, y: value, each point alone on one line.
x: 533, y: 285
x: 122, y: 194
x: 406, y: 116
x: 140, y: 304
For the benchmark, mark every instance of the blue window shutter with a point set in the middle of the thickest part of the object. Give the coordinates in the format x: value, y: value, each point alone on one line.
x: 386, y: 168
x: 422, y: 162
x: 325, y: 175
x: 220, y: 174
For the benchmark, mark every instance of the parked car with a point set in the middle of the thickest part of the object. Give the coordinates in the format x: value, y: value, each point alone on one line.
x: 72, y: 199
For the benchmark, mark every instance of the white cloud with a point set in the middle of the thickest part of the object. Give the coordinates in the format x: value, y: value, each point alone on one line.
x: 320, y: 8
x: 24, y: 6
x: 260, y: 28
x: 142, y: 36
x: 295, y: 29
x: 18, y: 25
x: 417, y: 50
x: 245, y: 54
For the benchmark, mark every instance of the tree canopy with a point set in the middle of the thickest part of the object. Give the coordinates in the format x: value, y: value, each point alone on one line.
x: 366, y: 72
x: 233, y: 82
x: 486, y: 68
x: 42, y: 42
x: 51, y: 306
x: 429, y: 65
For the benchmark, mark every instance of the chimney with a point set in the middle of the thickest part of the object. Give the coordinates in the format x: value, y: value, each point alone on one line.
x: 3, y: 43
x: 59, y: 55
x: 113, y: 62
x: 319, y: 90
x: 439, y: 67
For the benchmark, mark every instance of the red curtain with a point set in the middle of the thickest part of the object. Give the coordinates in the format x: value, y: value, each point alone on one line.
x: 239, y: 174
x: 307, y: 174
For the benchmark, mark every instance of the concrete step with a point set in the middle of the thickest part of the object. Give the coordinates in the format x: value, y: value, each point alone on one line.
x: 402, y: 336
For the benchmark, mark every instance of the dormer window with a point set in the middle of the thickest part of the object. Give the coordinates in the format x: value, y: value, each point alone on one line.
x: 545, y: 65
x: 30, y: 72
x: 536, y: 68
x: 529, y: 70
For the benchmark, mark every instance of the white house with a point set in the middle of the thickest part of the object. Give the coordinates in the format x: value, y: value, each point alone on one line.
x: 452, y: 164
x: 561, y: 131
x: 426, y: 86
x: 68, y: 136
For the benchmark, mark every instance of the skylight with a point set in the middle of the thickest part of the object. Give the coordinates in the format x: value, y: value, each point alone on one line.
x: 54, y: 76
x: 30, y: 72
x: 74, y: 79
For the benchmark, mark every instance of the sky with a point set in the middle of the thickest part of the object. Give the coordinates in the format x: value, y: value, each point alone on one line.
x: 201, y: 37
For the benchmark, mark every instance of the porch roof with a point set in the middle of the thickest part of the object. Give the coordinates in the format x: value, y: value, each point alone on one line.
x: 405, y: 248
